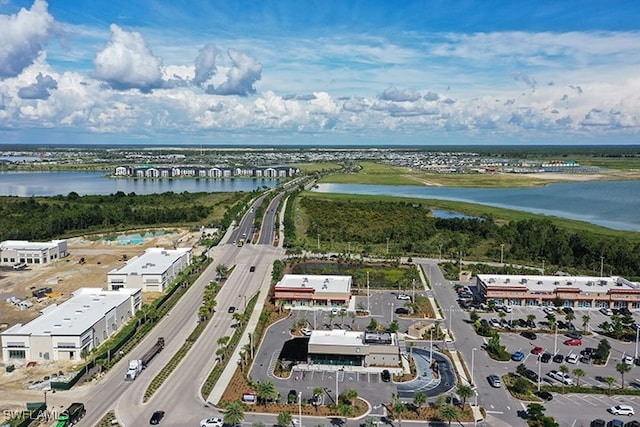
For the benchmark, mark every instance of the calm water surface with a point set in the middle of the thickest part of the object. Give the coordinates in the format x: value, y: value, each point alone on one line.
x: 54, y: 183
x: 612, y: 204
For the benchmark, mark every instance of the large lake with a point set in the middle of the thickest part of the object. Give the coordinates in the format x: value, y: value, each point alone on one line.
x: 612, y: 204
x: 61, y: 182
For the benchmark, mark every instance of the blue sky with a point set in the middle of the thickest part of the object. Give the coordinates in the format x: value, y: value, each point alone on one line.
x: 319, y: 72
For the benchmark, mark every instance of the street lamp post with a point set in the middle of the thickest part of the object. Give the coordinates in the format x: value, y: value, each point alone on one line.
x: 450, y: 316
x: 45, y: 396
x: 431, y: 344
x: 539, y: 368
x: 391, y: 314
x: 635, y: 354
x: 555, y: 339
x: 473, y: 353
x: 300, y: 408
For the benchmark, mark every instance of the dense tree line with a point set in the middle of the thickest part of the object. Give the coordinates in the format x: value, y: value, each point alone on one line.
x: 45, y: 218
x: 412, y: 227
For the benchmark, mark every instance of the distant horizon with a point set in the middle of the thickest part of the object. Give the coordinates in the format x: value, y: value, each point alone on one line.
x: 320, y: 72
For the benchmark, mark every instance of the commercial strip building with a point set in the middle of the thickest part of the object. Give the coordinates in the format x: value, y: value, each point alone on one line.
x: 64, y: 331
x: 313, y: 291
x: 152, y: 271
x: 353, y: 348
x: 150, y: 171
x: 21, y: 251
x: 572, y: 291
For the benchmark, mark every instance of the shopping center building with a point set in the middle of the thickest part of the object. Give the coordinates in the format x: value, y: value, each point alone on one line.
x: 571, y: 291
x: 313, y: 290
x: 353, y: 348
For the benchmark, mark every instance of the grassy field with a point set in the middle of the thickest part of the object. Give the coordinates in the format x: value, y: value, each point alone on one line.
x: 381, y: 174
x: 498, y: 214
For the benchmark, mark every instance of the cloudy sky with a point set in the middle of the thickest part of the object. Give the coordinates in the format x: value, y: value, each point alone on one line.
x: 326, y: 72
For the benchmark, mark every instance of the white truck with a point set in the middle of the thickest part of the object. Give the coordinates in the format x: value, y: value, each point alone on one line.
x: 135, y: 367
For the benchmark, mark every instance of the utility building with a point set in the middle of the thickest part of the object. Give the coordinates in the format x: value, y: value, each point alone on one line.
x: 353, y: 348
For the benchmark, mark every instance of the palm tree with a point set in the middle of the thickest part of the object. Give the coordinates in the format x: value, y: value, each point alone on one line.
x: 284, y: 419
x: 238, y: 317
x: 565, y: 370
x: 352, y: 315
x: 419, y: 398
x: 234, y: 413
x: 342, y: 314
x: 351, y: 395
x: 265, y: 391
x: 465, y: 392
x: 449, y: 413
x: 474, y: 316
x: 569, y: 317
x: 622, y: 368
x: 222, y: 271
x: 398, y: 409
x: 585, y: 322
x: 331, y: 317
x: 551, y: 318
x: 610, y: 381
x: 317, y: 392
x: 579, y: 373
x: 346, y: 411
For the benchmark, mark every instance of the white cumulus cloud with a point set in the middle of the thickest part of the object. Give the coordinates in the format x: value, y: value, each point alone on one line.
x: 128, y: 63
x: 23, y: 37
x: 241, y: 76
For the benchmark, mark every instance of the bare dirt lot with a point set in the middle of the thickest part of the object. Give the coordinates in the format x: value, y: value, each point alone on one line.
x: 63, y: 277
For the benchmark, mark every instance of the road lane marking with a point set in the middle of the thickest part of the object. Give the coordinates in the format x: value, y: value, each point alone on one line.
x: 495, y: 412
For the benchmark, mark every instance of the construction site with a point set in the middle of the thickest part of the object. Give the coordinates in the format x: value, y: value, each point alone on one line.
x: 24, y: 293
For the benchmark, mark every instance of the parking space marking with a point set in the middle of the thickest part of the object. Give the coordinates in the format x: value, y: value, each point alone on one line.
x: 587, y: 400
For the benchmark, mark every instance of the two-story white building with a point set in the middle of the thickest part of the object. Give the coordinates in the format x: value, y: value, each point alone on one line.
x: 152, y: 271
x: 21, y: 251
x: 63, y: 331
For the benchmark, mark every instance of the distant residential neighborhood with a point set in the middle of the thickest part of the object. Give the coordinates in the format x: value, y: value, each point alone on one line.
x: 150, y: 171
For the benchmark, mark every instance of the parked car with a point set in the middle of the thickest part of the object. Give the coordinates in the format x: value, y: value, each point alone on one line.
x: 628, y: 360
x: 615, y: 423
x: 517, y: 356
x: 622, y: 410
x: 598, y: 423
x: 156, y: 417
x: 574, y: 335
x: 633, y: 423
x: 558, y: 358
x: 252, y: 268
x: 544, y: 395
x: 529, y: 335
x: 385, y: 376
x: 561, y: 377
x: 572, y: 358
x: 545, y: 358
x: 573, y: 342
x: 402, y: 310
x: 531, y: 375
x: 537, y: 350
x: 549, y: 310
x: 305, y: 331
x: 404, y: 297
x: 589, y: 351
x: 606, y: 311
x: 211, y: 422
x: 567, y: 310
x: 507, y: 308
x: 453, y: 399
x: 624, y: 311
x: 231, y: 309
x: 495, y: 381
x: 494, y: 322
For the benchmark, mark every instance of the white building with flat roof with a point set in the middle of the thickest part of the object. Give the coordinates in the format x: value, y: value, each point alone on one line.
x: 313, y: 290
x: 152, y: 271
x: 21, y: 251
x: 63, y: 331
x: 572, y: 291
x: 353, y: 348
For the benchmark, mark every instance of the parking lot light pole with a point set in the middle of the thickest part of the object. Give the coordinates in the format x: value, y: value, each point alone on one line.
x: 635, y: 354
x: 300, y: 408
x: 450, y: 316
x: 431, y: 344
x: 555, y: 340
x: 473, y: 353
x: 539, y: 368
